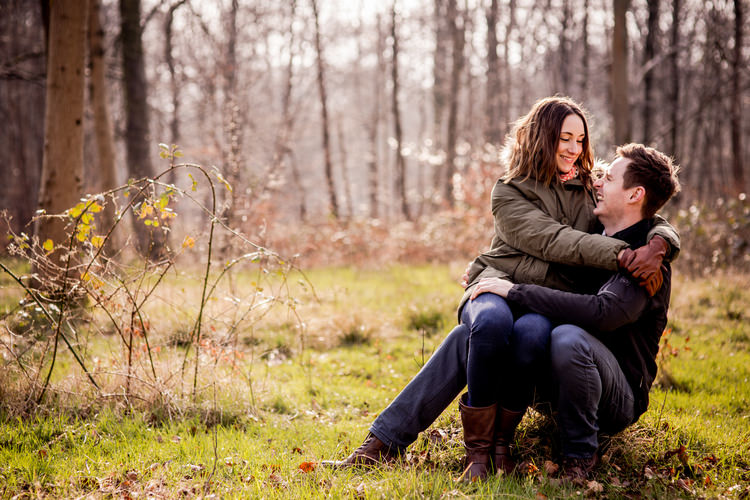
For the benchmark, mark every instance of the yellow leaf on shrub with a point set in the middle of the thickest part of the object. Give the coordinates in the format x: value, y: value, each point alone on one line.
x: 48, y: 245
x: 97, y: 241
x: 188, y: 242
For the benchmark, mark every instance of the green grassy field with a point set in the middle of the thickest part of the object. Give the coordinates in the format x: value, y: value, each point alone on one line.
x: 283, y: 395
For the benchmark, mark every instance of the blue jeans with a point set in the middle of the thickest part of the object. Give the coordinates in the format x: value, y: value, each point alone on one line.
x: 443, y: 377
x: 593, y: 393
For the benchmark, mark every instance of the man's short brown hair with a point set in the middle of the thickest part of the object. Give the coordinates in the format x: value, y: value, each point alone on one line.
x: 653, y: 170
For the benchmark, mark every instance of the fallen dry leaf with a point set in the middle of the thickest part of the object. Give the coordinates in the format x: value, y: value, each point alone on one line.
x: 648, y: 473
x: 684, y: 486
x: 307, y: 467
x: 551, y: 468
x: 594, y: 487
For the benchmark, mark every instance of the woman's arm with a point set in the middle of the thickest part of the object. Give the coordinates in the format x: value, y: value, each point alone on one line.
x: 527, y: 228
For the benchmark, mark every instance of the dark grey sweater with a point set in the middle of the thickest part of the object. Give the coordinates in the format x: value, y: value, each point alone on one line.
x: 621, y: 315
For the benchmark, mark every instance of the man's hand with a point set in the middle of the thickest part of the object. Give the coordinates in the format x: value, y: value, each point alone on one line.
x: 492, y: 285
x: 644, y: 263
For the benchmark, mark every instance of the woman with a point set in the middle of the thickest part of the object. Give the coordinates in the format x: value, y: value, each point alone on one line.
x: 543, y: 209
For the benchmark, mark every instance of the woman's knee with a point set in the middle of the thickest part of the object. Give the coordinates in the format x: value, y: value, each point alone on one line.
x: 488, y: 314
x: 531, y: 338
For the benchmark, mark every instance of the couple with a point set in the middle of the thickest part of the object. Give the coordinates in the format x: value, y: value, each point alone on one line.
x: 582, y: 323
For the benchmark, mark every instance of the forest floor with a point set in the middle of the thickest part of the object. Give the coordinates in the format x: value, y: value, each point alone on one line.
x: 287, y: 396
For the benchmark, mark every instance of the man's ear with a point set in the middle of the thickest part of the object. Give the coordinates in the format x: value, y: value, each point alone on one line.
x: 637, y: 194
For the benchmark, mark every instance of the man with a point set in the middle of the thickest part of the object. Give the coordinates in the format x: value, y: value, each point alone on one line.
x: 640, y: 181
x: 605, y: 361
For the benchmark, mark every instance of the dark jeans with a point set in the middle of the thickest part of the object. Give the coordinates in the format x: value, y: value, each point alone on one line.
x: 593, y: 393
x: 443, y: 377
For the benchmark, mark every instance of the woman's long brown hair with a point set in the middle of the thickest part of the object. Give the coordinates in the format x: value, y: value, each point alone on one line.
x: 531, y: 148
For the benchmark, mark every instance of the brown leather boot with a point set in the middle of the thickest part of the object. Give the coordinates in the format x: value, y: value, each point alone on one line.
x: 505, y: 428
x: 479, y: 428
x: 372, y: 452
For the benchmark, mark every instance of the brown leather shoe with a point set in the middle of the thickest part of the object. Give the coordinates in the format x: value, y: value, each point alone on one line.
x: 577, y: 469
x: 505, y: 429
x: 372, y: 452
x: 479, y: 430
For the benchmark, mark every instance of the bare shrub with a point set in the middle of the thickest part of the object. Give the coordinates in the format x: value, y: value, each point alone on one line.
x: 144, y: 332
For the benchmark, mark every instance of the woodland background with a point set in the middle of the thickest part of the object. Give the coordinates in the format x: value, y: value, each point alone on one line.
x: 348, y: 121
x: 236, y: 227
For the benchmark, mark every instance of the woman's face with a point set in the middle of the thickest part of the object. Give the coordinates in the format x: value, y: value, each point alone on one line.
x: 570, y: 143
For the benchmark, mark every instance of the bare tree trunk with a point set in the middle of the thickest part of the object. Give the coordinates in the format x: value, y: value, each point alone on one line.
x: 400, y: 161
x: 348, y: 200
x: 674, y: 94
x: 232, y: 125
x: 282, y: 149
x: 62, y: 163
x: 457, y: 35
x: 174, y: 85
x: 619, y: 74
x: 738, y: 174
x: 564, y: 66
x: 105, y: 146
x: 493, y: 133
x: 149, y: 241
x: 648, y: 79
x: 439, y: 74
x: 22, y: 137
x: 373, y: 124
x: 586, y: 52
x: 507, y: 84
x: 332, y: 203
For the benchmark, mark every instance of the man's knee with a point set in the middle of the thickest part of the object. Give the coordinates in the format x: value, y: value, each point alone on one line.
x: 568, y: 345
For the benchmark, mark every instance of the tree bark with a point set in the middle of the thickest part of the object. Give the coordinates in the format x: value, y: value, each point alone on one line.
x: 150, y: 242
x: 738, y: 174
x: 457, y: 36
x: 507, y: 84
x: 649, y: 53
x: 674, y: 90
x: 348, y: 200
x: 373, y: 124
x: 282, y: 149
x: 439, y: 75
x: 586, y: 52
x: 619, y: 74
x: 232, y: 126
x: 493, y: 134
x: 400, y: 180
x: 332, y: 203
x: 105, y: 145
x: 62, y: 162
x: 564, y: 49
x: 174, y: 85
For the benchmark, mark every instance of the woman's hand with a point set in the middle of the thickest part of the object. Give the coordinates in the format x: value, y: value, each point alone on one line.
x: 465, y: 277
x: 492, y: 285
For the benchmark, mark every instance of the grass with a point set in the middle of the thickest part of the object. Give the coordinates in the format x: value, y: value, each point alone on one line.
x: 287, y: 395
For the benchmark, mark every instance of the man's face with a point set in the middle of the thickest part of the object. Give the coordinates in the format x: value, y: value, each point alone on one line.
x: 612, y: 198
